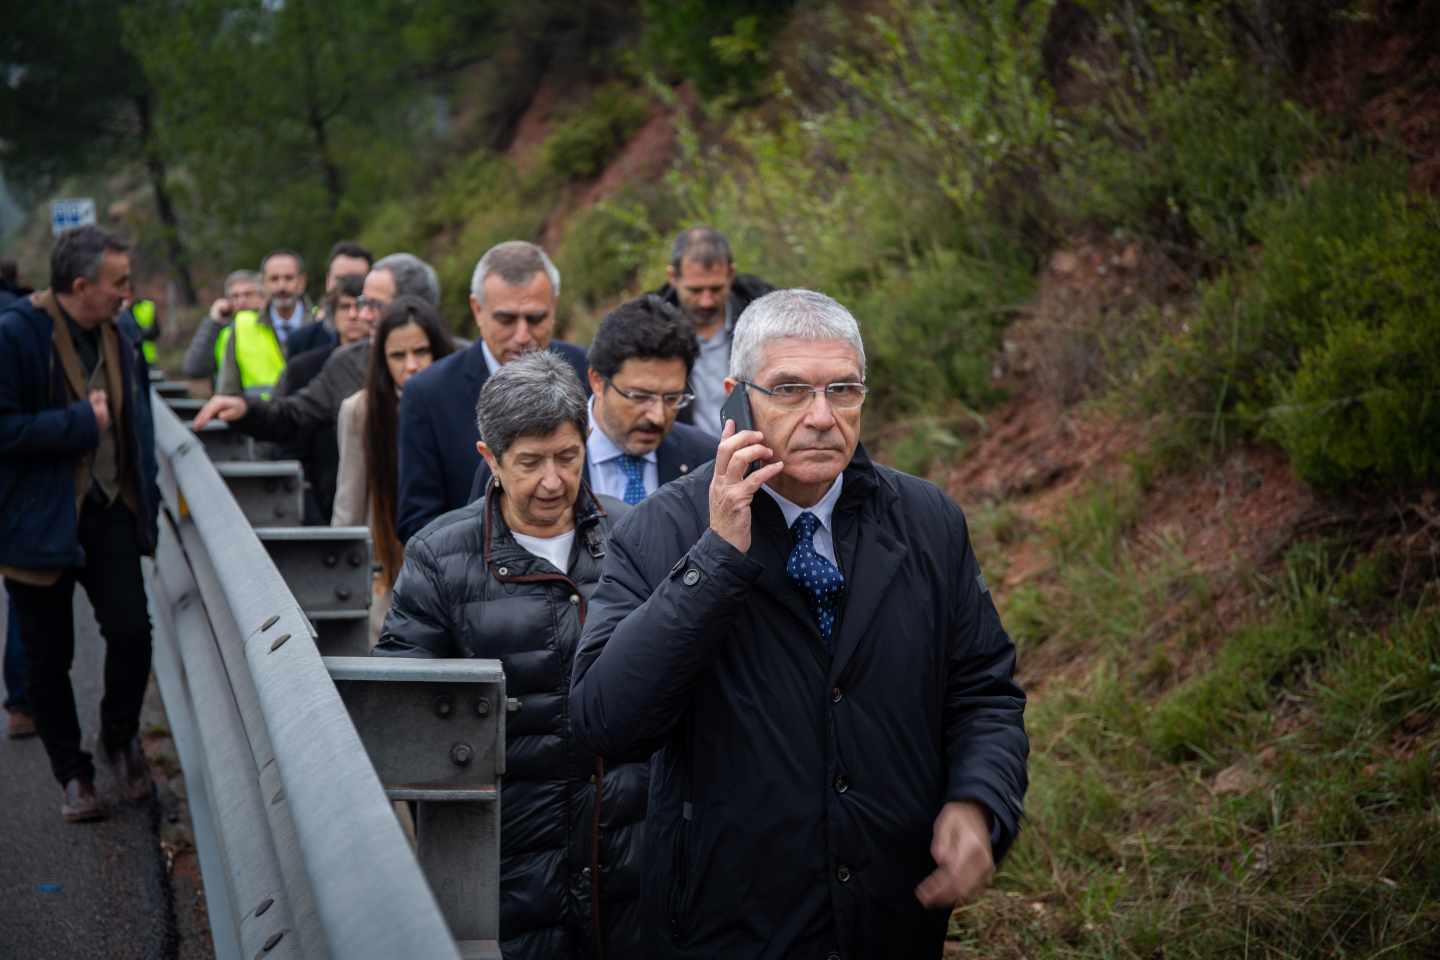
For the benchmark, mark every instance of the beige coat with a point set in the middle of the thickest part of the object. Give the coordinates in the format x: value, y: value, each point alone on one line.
x: 352, y: 494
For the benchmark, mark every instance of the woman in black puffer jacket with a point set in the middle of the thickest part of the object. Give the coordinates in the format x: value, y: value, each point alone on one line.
x: 509, y: 577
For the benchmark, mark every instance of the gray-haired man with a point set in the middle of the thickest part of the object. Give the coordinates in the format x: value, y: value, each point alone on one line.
x: 513, y: 292
x: 242, y: 292
x: 816, y: 657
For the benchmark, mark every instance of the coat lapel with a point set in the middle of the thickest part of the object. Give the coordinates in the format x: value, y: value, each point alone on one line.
x: 870, y: 558
x: 668, y: 465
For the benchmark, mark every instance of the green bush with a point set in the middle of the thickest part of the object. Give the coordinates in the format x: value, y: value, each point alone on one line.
x: 611, y: 244
x: 587, y: 135
x: 722, y: 46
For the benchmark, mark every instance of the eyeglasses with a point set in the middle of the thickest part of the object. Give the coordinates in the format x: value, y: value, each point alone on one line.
x: 845, y: 395
x: 370, y: 303
x: 675, y: 401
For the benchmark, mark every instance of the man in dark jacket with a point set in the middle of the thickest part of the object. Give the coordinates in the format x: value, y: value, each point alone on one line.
x: 512, y: 298
x: 813, y: 651
x: 78, y: 503
x: 510, y: 577
x: 640, y: 361
x: 703, y: 283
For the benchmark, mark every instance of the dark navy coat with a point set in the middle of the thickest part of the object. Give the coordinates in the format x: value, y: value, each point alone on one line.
x: 684, y: 449
x: 793, y: 797
x: 468, y: 589
x: 43, y: 434
x: 438, y: 434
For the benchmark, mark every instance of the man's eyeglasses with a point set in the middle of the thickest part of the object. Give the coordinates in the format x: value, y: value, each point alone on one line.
x: 675, y: 401
x: 845, y: 395
x: 370, y: 303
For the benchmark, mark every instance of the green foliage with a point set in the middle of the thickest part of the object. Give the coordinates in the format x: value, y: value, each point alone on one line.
x: 612, y: 243
x: 722, y: 46
x: 588, y: 134
x: 1326, y: 339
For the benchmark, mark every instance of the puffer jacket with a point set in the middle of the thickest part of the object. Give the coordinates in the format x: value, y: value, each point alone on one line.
x: 468, y: 589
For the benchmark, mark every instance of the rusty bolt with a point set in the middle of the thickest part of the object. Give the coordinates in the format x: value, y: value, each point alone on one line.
x: 461, y: 754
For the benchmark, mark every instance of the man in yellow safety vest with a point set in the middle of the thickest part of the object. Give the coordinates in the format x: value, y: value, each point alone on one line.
x: 250, y: 352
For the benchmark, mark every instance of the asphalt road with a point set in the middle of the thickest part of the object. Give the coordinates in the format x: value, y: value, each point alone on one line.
x: 86, y: 890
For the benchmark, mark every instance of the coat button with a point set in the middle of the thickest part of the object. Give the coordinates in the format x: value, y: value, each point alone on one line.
x: 692, y: 577
x: 503, y: 571
x: 836, y: 695
x: 841, y: 784
x: 585, y: 875
x: 842, y: 873
x: 833, y: 955
x: 574, y: 599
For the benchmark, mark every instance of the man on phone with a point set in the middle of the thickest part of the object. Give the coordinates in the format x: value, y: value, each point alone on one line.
x: 813, y: 657
x: 242, y: 292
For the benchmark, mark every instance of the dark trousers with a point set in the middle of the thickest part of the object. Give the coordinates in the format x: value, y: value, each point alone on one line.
x: 14, y: 663
x: 112, y: 579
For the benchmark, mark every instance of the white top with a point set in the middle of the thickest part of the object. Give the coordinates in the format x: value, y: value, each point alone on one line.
x: 823, y: 510
x: 554, y: 549
x: 490, y: 362
x: 607, y: 470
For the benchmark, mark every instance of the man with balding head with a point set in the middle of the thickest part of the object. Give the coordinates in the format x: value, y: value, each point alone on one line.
x: 513, y: 293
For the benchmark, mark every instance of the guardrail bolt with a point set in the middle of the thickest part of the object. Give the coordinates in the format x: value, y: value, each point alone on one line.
x: 512, y: 705
x: 354, y: 558
x: 330, y: 559
x: 342, y: 594
x: 275, y: 618
x: 265, y: 904
x: 444, y: 706
x: 272, y: 940
x: 461, y: 754
x: 279, y: 642
x: 482, y: 708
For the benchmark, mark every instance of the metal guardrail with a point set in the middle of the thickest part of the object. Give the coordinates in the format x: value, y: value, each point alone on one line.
x: 301, y: 852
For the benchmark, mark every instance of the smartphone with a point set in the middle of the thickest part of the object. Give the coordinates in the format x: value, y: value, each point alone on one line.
x: 737, y: 408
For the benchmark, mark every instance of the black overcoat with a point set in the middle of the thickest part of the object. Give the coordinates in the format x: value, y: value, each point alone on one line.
x: 468, y: 589
x: 793, y: 794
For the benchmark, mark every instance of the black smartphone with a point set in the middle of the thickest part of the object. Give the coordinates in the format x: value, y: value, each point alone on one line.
x: 737, y: 408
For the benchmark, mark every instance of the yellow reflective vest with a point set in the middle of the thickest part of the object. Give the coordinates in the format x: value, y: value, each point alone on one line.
x: 144, y: 313
x: 257, y: 350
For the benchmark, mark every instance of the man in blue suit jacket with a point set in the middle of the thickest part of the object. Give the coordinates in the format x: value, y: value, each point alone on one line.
x: 513, y: 292
x: 641, y: 359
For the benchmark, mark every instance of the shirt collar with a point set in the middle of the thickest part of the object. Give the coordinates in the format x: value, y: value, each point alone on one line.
x: 823, y: 509
x: 601, y: 448
x: 491, y: 363
x: 297, y: 316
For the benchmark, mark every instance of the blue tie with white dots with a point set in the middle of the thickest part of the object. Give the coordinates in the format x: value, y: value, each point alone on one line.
x: 634, y: 478
x: 818, y: 577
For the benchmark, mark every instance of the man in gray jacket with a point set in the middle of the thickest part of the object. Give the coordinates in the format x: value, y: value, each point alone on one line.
x: 242, y: 292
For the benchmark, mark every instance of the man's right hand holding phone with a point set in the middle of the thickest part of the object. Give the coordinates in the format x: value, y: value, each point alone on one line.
x: 731, y: 490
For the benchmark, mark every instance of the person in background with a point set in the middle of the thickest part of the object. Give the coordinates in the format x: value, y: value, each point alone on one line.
x: 639, y: 362
x: 513, y: 292
x: 317, y: 452
x: 10, y: 285
x: 252, y: 349
x: 291, y: 418
x: 812, y: 650
x: 703, y: 283
x: 78, y: 504
x: 509, y: 577
x: 242, y: 293
x: 346, y: 259
x: 19, y: 722
x: 410, y: 337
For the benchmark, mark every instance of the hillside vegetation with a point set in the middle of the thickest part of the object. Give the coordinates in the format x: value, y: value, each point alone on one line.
x: 1153, y: 288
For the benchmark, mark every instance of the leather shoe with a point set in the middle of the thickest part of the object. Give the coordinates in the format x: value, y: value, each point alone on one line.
x: 131, y: 770
x: 20, y: 725
x: 81, y: 803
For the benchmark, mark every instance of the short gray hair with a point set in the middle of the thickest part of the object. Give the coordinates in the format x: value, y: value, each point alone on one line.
x: 240, y: 276
x: 516, y: 262
x: 797, y: 314
x: 413, y: 277
x: 530, y: 397
x: 706, y: 246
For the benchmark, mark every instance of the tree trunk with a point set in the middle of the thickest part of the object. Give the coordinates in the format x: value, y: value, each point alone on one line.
x: 155, y: 166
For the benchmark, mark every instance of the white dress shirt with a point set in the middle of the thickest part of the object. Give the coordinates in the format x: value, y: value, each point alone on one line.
x: 607, y: 472
x: 824, y: 510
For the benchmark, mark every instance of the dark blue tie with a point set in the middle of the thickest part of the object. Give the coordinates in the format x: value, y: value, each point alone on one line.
x: 819, y: 578
x: 634, y: 478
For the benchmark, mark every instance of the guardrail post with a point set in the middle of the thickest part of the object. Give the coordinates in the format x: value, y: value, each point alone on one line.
x: 328, y: 571
x: 223, y: 444
x: 269, y: 493
x: 435, y: 733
